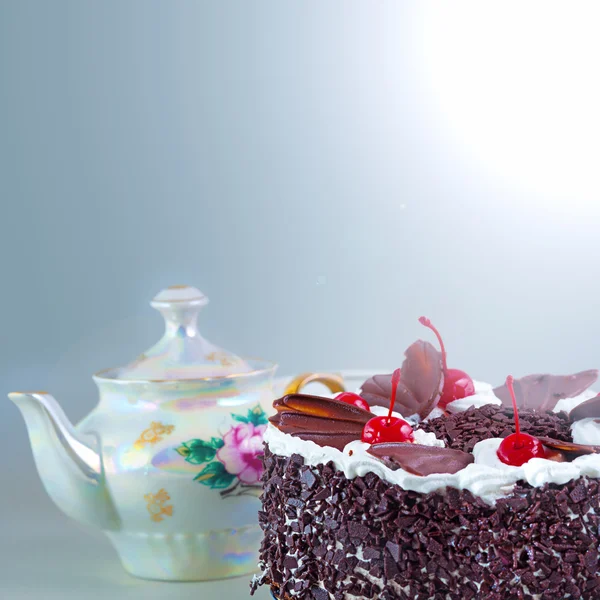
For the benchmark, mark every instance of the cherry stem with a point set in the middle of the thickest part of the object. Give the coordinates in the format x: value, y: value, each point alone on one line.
x: 511, y: 389
x: 425, y: 321
x: 395, y: 381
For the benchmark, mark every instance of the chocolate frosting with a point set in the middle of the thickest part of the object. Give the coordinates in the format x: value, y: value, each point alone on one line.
x: 420, y: 460
x: 542, y: 392
x: 586, y: 410
x: 420, y: 386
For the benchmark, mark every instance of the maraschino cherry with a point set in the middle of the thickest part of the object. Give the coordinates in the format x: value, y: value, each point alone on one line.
x: 354, y: 399
x: 457, y: 384
x: 388, y: 429
x: 518, y: 448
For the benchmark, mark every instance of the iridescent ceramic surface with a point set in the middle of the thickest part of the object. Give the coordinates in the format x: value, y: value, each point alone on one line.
x: 166, y: 464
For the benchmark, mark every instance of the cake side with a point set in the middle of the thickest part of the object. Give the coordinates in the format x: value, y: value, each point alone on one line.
x: 327, y: 536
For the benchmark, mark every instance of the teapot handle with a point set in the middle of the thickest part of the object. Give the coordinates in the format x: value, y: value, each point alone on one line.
x: 335, y: 383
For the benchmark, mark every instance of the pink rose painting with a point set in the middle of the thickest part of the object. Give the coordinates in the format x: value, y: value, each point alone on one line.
x: 242, y: 452
x: 233, y: 463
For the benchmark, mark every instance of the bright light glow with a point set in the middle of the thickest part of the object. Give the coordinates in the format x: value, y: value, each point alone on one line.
x: 516, y: 88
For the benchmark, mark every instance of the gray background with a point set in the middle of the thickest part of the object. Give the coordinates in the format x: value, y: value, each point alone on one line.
x: 324, y: 172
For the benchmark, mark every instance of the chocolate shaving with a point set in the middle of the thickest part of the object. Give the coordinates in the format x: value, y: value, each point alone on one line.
x: 463, y: 430
x: 324, y: 421
x: 586, y: 410
x: 420, y: 386
x: 420, y: 460
x: 542, y: 392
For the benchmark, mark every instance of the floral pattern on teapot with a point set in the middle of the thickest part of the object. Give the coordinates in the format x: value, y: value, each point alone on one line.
x: 153, y: 434
x: 157, y: 505
x: 232, y: 463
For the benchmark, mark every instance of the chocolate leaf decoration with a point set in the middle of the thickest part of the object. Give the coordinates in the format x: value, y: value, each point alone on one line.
x: 420, y: 386
x: 542, y: 392
x: 586, y: 410
x: 324, y: 421
x: 569, y: 447
x: 377, y: 390
x: 421, y: 460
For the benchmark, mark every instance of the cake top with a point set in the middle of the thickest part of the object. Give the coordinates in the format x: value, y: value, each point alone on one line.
x: 424, y: 394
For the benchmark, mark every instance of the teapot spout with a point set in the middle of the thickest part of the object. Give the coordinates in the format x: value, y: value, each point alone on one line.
x: 68, y: 463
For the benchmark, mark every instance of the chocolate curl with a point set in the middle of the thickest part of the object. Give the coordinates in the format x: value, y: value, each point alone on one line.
x: 421, y: 383
x: 542, y: 392
x: 324, y: 421
x: 420, y: 460
x: 589, y: 409
x: 317, y: 406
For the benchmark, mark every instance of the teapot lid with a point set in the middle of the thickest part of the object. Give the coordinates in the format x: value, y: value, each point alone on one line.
x: 182, y: 353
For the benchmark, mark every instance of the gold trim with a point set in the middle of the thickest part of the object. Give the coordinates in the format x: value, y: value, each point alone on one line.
x: 270, y: 366
x: 157, y: 505
x: 153, y: 434
x: 335, y: 383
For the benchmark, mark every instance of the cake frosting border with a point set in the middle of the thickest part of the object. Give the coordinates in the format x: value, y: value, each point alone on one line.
x: 488, y: 478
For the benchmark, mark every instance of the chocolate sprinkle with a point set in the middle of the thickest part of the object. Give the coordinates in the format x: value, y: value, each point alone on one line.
x: 393, y: 544
x: 463, y: 430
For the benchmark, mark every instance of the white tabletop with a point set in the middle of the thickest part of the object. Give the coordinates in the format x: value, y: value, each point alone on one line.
x: 55, y: 559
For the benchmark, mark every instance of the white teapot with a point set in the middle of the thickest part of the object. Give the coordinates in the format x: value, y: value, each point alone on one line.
x: 168, y: 464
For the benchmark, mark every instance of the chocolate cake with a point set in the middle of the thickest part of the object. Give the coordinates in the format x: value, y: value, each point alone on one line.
x: 429, y: 485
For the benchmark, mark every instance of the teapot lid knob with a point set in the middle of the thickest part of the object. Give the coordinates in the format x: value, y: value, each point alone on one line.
x: 182, y: 352
x: 180, y: 295
x: 180, y: 305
